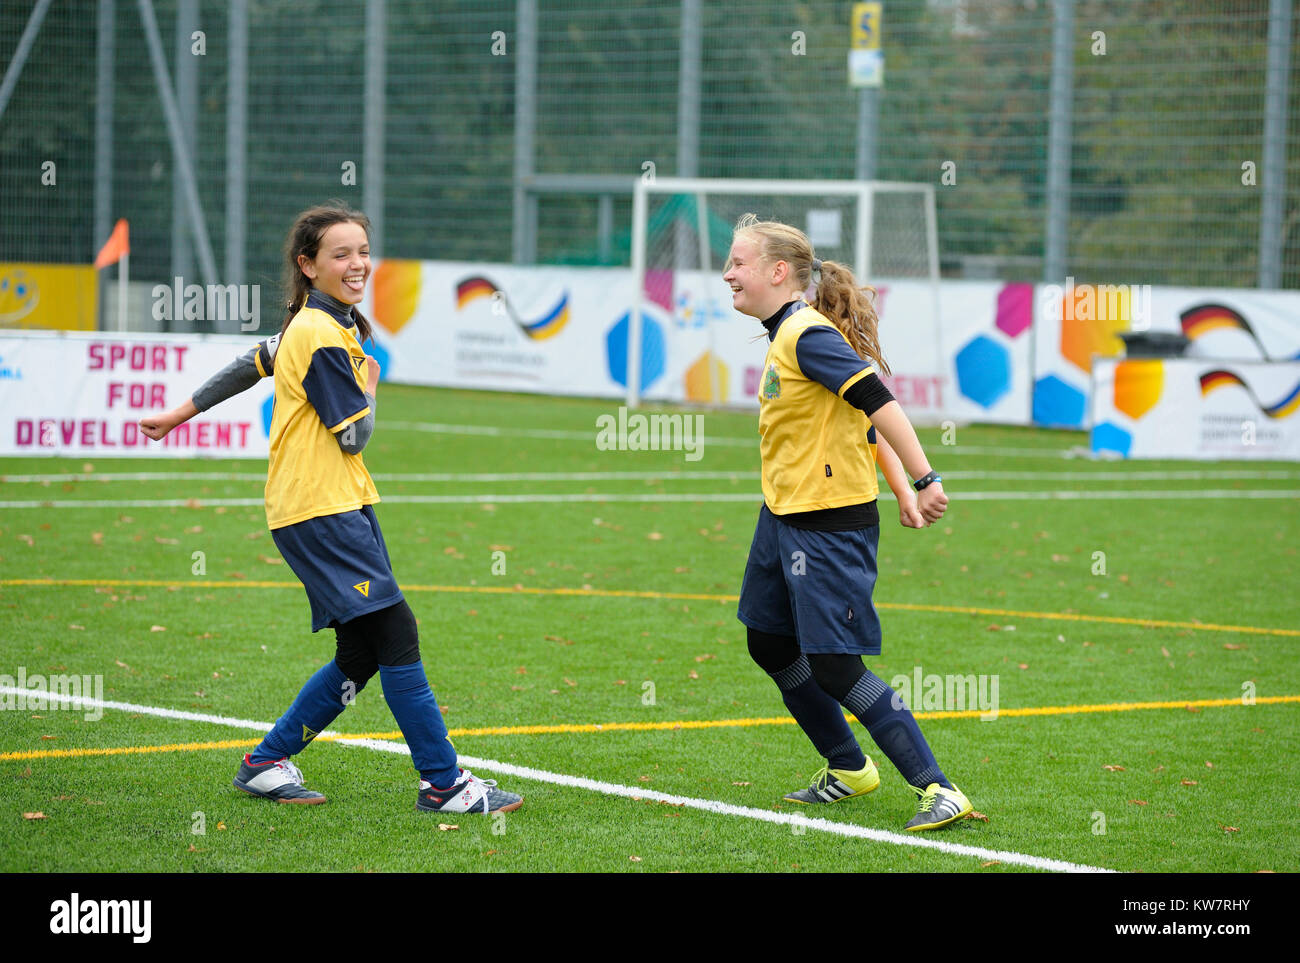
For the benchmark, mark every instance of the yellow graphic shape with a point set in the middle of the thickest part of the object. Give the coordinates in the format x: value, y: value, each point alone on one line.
x: 397, y: 292
x: 707, y: 371
x: 1092, y: 315
x: 55, y: 296
x: 363, y: 588
x: 1138, y: 385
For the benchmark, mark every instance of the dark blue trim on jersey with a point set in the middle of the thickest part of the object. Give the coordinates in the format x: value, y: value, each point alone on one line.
x: 331, y: 386
x: 825, y: 356
x: 774, y: 322
x: 336, y: 309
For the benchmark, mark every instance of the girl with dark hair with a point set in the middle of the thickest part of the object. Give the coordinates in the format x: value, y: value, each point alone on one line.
x: 806, y: 595
x: 319, y: 499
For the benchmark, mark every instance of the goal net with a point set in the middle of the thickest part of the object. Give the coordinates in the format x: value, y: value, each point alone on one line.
x: 681, y: 233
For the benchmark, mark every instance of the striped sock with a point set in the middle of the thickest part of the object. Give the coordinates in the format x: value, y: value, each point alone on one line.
x: 819, y: 716
x: 891, y: 724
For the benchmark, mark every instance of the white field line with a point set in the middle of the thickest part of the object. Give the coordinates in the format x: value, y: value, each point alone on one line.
x: 613, y: 789
x: 559, y: 434
x: 1139, y: 494
x: 578, y: 476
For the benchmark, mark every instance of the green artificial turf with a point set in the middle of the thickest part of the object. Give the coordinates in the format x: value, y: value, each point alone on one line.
x: 177, y: 613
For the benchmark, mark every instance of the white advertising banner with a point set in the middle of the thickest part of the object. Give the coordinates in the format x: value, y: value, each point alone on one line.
x: 1189, y: 408
x: 561, y: 330
x: 499, y: 327
x: 974, y: 364
x: 1074, y: 323
x: 84, y: 394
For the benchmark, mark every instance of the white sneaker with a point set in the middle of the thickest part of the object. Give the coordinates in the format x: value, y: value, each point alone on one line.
x: 280, y: 780
x: 470, y: 794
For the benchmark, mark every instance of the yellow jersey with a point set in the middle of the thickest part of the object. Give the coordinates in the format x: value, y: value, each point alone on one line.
x: 319, y: 390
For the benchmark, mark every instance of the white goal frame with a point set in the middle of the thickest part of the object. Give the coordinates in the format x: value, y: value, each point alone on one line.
x: 863, y: 191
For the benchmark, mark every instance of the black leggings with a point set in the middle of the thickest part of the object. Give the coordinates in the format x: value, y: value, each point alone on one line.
x: 385, y: 637
x: 836, y: 674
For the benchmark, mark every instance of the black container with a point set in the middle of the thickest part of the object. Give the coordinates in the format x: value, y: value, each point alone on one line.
x: 1154, y: 344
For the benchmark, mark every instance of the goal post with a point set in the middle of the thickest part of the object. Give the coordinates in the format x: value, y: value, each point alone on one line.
x: 886, y: 230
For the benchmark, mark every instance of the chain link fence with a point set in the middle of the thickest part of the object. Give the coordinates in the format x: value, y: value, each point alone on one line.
x: 1166, y: 137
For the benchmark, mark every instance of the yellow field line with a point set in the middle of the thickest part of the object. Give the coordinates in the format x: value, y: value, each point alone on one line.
x: 684, y: 596
x: 174, y: 747
x: 584, y: 727
x: 787, y: 721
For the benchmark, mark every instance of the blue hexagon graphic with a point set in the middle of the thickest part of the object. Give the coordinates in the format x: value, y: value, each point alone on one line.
x: 653, y: 350
x: 268, y: 408
x: 380, y: 354
x: 1058, y: 404
x: 983, y: 371
x: 1108, y: 437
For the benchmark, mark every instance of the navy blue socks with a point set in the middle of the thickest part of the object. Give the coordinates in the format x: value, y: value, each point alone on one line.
x: 894, y: 730
x: 819, y: 716
x: 318, y: 704
x: 416, y: 710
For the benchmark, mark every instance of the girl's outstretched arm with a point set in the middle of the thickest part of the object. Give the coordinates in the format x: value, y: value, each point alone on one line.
x: 893, y: 427
x: 238, y: 376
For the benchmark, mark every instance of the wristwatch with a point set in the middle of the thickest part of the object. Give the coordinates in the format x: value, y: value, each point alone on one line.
x: 926, y: 480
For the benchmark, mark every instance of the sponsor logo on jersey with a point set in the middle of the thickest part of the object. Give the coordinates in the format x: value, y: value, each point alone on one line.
x: 771, y: 382
x: 363, y: 588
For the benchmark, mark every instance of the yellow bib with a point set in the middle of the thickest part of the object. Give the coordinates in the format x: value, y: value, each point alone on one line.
x: 815, y: 449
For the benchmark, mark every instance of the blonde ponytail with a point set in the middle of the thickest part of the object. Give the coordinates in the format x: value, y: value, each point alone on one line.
x: 839, y: 297
x: 853, y: 311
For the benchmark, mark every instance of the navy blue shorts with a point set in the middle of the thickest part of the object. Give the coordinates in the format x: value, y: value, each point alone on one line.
x: 815, y: 586
x: 343, y: 564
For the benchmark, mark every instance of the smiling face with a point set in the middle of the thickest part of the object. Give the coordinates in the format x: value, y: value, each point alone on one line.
x: 758, y: 286
x: 342, y: 263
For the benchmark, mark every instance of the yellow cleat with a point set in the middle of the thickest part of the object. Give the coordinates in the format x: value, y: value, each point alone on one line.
x: 939, y: 807
x: 832, y: 785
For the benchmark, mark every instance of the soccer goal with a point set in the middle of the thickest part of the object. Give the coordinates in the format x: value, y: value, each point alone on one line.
x: 681, y: 234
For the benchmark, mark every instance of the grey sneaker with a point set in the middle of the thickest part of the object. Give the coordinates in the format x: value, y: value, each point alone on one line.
x: 939, y: 807
x: 470, y: 795
x: 280, y: 780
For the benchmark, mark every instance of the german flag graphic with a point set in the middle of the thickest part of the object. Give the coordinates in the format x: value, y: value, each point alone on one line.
x: 1204, y: 318
x: 1219, y: 377
x: 548, y: 325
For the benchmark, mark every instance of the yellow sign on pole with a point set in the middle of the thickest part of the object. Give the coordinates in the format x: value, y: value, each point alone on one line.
x: 866, y: 59
x: 866, y: 25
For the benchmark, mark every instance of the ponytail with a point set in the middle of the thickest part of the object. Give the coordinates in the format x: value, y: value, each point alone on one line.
x: 852, y: 309
x: 839, y: 297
